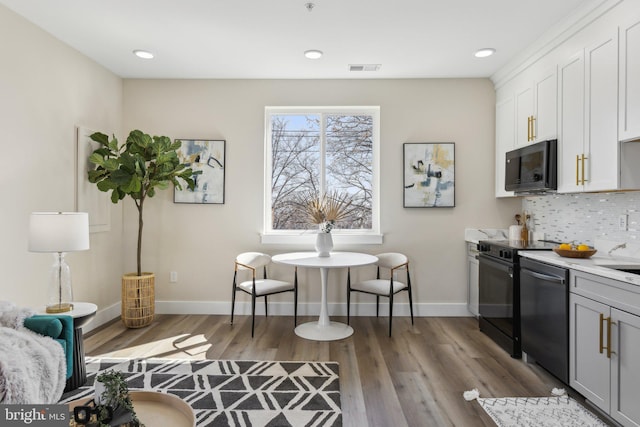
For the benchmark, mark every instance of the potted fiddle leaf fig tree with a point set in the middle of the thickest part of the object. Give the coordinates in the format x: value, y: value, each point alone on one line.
x: 137, y: 168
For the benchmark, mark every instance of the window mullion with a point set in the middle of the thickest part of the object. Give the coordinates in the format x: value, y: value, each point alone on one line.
x: 323, y: 153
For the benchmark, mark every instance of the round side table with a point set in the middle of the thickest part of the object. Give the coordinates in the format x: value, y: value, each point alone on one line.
x: 82, y: 313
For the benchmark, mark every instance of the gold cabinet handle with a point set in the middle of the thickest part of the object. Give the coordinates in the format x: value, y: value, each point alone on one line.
x: 583, y: 159
x: 608, y: 346
x: 577, y: 169
x: 533, y: 128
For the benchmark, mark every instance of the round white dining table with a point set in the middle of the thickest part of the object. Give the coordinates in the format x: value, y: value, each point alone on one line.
x: 324, y: 329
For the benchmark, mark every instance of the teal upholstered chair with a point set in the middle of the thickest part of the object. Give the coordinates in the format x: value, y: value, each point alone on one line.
x: 58, y: 327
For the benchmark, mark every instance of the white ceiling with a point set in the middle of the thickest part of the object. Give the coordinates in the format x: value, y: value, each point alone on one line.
x: 267, y: 38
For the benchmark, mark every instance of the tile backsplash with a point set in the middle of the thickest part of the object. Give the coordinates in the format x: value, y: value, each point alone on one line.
x: 585, y: 217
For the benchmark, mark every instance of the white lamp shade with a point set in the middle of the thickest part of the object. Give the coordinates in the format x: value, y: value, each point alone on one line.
x: 58, y: 231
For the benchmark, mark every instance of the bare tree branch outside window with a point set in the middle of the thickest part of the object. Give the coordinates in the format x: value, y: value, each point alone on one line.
x: 296, y: 167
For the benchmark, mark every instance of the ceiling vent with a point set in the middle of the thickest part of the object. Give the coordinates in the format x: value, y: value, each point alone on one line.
x: 364, y: 67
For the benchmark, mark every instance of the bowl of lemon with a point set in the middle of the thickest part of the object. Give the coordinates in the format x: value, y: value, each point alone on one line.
x: 569, y: 250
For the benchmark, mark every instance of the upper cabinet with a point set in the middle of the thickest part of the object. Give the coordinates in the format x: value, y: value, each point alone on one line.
x: 588, y: 130
x: 505, y: 140
x: 526, y: 112
x: 581, y: 86
x: 630, y: 78
x: 571, y: 111
x: 536, y: 103
x: 600, y: 172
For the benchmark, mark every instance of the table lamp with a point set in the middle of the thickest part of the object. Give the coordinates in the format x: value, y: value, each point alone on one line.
x: 59, y: 232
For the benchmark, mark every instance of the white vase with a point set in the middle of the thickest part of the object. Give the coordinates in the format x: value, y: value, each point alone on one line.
x: 100, y: 389
x: 324, y: 244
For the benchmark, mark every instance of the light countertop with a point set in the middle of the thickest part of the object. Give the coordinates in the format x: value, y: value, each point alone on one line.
x: 597, y: 264
x: 474, y: 235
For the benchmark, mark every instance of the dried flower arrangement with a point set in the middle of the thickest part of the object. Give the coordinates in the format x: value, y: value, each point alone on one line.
x: 325, y: 209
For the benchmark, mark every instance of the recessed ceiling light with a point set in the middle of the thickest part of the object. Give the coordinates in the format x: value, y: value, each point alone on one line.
x: 143, y: 54
x: 313, y: 54
x: 483, y: 53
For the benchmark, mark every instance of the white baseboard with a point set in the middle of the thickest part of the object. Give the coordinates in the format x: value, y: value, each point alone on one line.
x: 286, y: 309
x: 104, y: 315
x: 311, y: 309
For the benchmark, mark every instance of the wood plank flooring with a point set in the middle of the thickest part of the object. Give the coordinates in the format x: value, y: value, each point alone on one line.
x: 415, y: 378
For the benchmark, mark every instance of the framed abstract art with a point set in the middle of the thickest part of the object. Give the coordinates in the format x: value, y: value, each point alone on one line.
x: 207, y: 156
x: 429, y: 174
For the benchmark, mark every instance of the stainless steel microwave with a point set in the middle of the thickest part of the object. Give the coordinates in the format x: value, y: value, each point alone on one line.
x: 532, y: 168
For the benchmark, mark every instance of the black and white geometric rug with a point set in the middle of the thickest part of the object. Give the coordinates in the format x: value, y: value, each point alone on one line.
x: 234, y: 392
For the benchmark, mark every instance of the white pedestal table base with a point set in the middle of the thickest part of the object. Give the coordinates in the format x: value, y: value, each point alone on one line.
x: 334, y: 331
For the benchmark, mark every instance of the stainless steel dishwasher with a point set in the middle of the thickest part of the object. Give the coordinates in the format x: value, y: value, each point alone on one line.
x: 544, y: 305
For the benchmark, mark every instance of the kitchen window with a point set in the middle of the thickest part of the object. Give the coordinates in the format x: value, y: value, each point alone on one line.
x: 321, y: 149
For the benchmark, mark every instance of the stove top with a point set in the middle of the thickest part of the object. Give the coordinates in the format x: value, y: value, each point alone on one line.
x: 531, y: 245
x: 507, y: 250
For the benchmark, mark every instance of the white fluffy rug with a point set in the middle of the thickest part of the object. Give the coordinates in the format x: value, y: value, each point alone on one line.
x: 33, y: 367
x: 553, y: 411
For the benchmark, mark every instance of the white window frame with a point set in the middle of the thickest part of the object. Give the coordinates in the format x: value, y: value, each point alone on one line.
x: 307, y: 237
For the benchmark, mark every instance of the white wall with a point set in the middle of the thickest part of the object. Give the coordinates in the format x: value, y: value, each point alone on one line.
x: 46, y: 89
x: 201, y: 241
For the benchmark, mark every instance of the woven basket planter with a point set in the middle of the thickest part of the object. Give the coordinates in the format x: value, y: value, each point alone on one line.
x: 138, y: 299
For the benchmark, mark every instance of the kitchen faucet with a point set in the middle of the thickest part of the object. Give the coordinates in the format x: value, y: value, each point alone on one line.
x: 616, y: 247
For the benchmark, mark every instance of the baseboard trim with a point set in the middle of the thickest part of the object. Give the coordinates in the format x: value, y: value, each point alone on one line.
x: 286, y: 309
x: 312, y: 309
x: 103, y: 316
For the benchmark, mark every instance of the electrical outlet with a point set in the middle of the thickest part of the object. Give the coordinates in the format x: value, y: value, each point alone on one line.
x: 173, y: 277
x: 622, y: 222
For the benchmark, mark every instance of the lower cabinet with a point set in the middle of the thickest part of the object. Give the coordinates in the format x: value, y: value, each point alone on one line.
x: 605, y: 353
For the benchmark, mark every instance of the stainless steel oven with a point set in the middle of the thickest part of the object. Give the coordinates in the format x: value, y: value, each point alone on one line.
x: 499, y: 287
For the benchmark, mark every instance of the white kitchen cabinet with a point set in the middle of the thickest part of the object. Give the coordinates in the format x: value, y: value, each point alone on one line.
x: 595, y: 70
x: 505, y: 140
x: 588, y: 129
x: 524, y: 115
x: 571, y: 118
x: 601, y: 98
x: 604, y: 333
x: 536, y: 108
x: 629, y: 124
x: 473, y: 276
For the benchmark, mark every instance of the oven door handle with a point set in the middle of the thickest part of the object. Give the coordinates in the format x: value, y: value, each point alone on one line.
x: 545, y: 277
x: 502, y: 266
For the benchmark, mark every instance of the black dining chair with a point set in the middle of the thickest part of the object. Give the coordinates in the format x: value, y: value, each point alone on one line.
x: 256, y: 287
x: 386, y: 287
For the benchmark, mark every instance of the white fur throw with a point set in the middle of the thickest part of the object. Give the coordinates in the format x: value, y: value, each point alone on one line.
x: 32, y: 367
x: 12, y: 316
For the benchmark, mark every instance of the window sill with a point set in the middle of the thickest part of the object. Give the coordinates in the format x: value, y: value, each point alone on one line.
x: 309, y: 239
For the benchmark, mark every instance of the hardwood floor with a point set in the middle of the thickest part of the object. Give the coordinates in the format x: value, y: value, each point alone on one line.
x: 415, y: 378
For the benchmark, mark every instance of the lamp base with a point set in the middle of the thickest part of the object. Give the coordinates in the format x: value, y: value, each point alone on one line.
x: 59, y: 308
